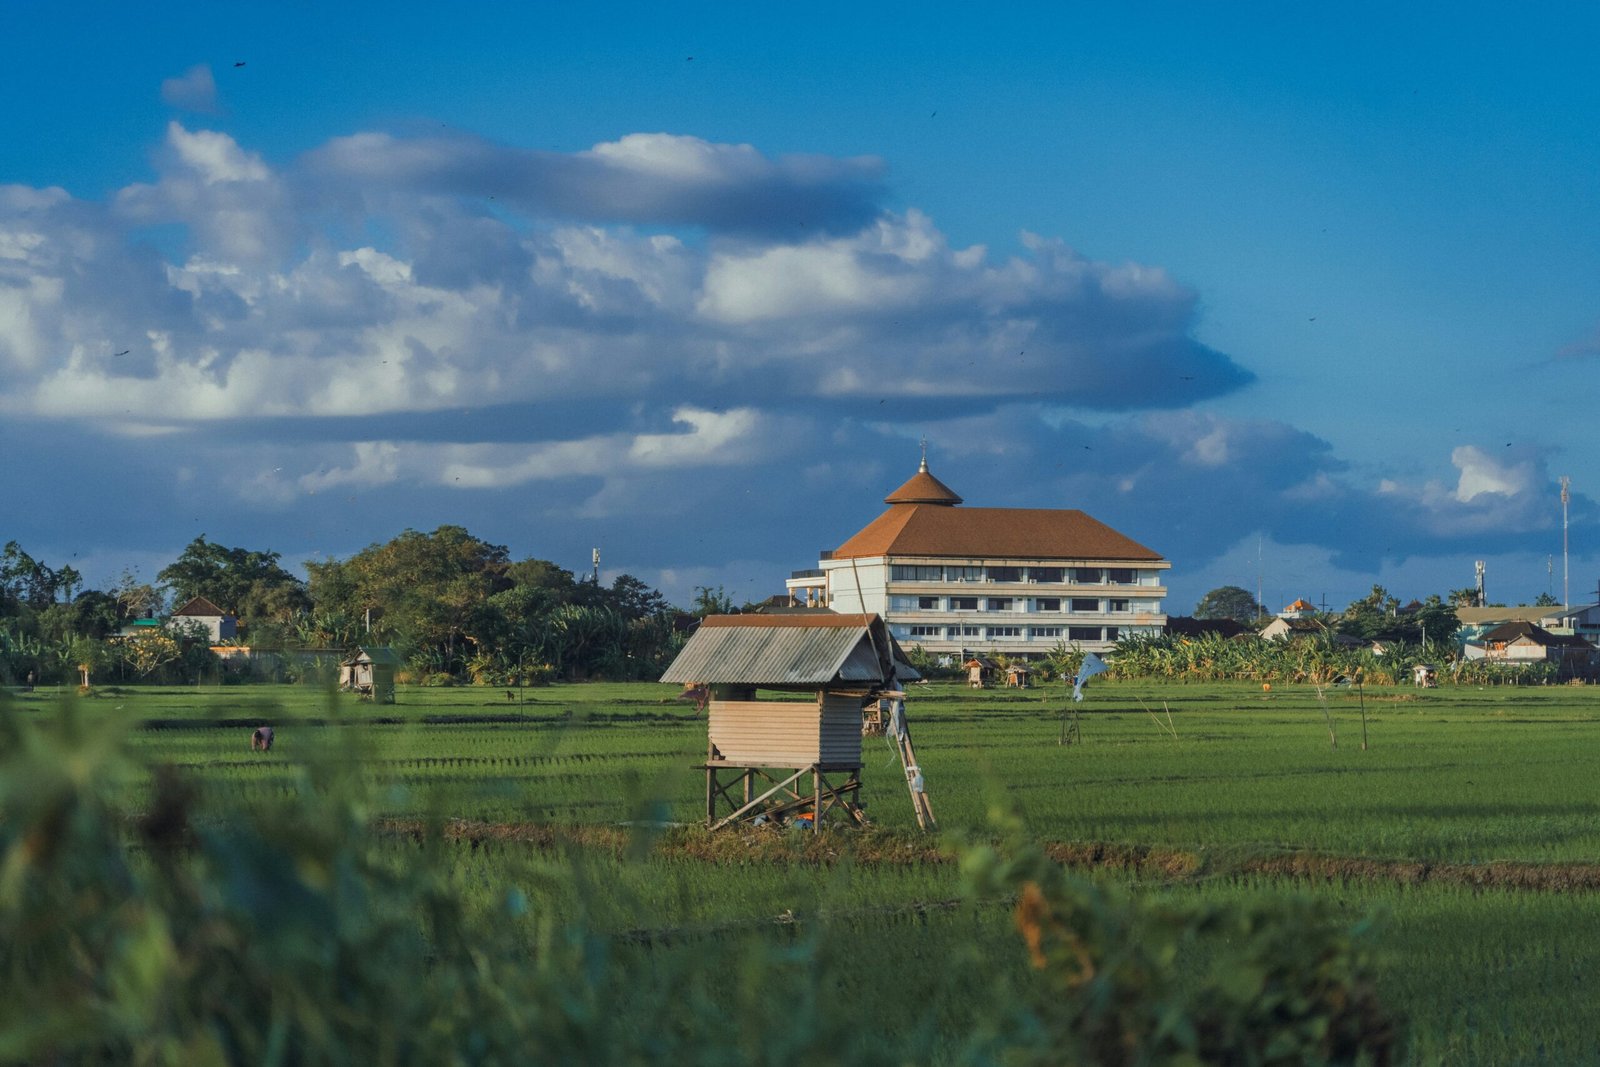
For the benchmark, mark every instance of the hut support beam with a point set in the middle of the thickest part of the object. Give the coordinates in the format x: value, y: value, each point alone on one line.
x: 749, y: 807
x: 784, y: 797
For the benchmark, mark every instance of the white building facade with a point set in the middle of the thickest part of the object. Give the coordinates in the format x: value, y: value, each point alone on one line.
x: 1019, y: 581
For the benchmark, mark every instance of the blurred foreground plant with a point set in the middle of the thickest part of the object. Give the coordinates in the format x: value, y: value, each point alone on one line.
x: 1135, y: 981
x: 217, y: 929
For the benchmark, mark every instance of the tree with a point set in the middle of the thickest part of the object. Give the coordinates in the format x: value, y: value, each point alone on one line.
x: 1436, y: 620
x: 427, y: 593
x: 1546, y: 600
x: 1375, y: 617
x: 1464, y: 598
x: 27, y: 581
x: 1229, y: 602
x: 636, y: 600
x: 709, y: 601
x: 250, y: 584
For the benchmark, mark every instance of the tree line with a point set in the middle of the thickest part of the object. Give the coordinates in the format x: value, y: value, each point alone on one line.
x: 455, y: 607
x: 1378, y: 616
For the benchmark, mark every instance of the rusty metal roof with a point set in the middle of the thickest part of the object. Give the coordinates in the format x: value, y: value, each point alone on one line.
x: 789, y: 650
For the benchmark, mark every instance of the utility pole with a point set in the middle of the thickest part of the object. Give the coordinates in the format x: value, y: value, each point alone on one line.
x: 1566, y: 496
x: 1259, y: 604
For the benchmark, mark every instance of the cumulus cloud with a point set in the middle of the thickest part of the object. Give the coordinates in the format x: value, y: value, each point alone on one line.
x: 265, y: 309
x: 649, y: 178
x: 659, y: 326
x: 195, y: 90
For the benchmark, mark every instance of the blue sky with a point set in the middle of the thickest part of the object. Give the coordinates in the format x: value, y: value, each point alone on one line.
x: 691, y: 283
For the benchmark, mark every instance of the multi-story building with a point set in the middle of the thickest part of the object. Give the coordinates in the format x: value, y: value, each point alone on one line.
x: 959, y: 580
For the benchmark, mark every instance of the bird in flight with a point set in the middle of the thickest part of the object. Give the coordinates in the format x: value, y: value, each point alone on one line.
x: 238, y: 64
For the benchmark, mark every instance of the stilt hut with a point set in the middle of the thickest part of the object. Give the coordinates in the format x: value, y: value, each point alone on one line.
x: 1018, y: 676
x: 794, y: 757
x: 369, y: 671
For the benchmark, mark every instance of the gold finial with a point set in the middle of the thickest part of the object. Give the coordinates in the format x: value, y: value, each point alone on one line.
x: 923, y: 467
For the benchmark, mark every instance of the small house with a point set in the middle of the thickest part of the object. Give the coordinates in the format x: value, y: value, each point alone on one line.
x: 370, y: 672
x: 1018, y: 676
x: 806, y: 744
x: 219, y: 625
x: 1522, y: 643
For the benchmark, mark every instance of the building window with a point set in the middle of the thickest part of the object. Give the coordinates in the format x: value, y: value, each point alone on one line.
x: 924, y: 631
x: 963, y: 631
x: 1051, y: 632
x: 1047, y: 603
x: 1083, y: 633
x: 1086, y: 575
x: 931, y: 603
x: 1000, y: 603
x: 963, y: 603
x: 902, y: 603
x: 1085, y: 604
x: 1111, y: 633
x: 1046, y: 574
x: 1005, y: 574
x: 906, y: 572
x: 964, y: 574
x: 1117, y: 605
x: 1005, y: 631
x: 1121, y: 576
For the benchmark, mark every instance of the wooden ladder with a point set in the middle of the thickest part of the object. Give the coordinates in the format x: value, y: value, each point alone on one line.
x: 899, y: 732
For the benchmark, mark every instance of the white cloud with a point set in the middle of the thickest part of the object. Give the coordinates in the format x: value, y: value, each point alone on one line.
x: 195, y: 90
x: 1482, y: 473
x: 376, y: 463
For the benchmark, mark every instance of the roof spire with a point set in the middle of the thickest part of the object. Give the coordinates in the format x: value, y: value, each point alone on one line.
x: 923, y: 488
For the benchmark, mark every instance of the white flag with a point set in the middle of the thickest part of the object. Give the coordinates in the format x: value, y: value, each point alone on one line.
x: 1092, y: 665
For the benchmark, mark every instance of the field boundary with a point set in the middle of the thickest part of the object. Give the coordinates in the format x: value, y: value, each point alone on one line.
x: 1167, y: 864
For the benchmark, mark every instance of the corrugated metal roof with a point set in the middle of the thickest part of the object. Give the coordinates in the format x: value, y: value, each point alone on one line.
x: 776, y: 655
x: 789, y: 650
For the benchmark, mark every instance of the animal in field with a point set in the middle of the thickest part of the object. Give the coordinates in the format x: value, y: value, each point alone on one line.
x: 261, y: 740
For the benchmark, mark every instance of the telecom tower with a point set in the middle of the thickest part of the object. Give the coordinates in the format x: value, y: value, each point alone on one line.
x: 1478, y: 569
x: 1566, y: 496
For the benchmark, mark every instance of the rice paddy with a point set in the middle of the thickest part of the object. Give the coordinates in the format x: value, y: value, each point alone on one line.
x: 1467, y: 824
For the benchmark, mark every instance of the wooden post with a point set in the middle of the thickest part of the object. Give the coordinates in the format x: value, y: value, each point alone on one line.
x: 816, y: 798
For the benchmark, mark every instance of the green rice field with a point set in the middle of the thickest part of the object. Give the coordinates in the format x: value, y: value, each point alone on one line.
x: 1466, y: 828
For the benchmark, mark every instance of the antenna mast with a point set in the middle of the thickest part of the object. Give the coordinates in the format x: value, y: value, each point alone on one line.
x: 596, y: 566
x: 1259, y: 606
x: 1566, y: 495
x: 1478, y: 568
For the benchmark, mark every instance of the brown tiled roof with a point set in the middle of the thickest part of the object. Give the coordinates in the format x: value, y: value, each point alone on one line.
x: 1515, y: 631
x: 990, y: 533
x: 199, y: 606
x: 923, y: 488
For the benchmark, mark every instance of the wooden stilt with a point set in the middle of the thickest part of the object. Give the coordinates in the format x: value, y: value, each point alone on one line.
x: 711, y: 794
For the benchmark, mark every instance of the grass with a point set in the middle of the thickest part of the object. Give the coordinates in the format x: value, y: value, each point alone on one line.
x: 1464, y: 800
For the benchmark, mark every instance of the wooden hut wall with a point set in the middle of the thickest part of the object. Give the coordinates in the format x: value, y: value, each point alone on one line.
x: 767, y: 733
x: 841, y: 729
x: 773, y: 733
